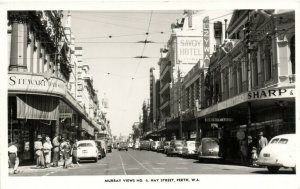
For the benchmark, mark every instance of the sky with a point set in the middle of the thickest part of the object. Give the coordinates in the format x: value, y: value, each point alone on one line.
x: 109, y: 44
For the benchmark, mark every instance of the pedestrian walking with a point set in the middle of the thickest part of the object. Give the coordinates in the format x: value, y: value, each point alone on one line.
x: 13, y: 159
x: 74, y: 152
x: 262, y: 142
x: 47, y: 146
x: 65, y: 148
x: 38, y: 148
x: 56, y: 145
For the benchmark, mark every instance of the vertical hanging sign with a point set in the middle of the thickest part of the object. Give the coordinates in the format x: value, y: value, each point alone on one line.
x: 206, y: 45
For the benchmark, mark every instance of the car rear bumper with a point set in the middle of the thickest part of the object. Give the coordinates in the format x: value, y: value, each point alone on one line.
x: 210, y: 157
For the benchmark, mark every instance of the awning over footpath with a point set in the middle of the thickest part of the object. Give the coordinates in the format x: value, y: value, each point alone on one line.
x: 37, y: 107
x: 87, y: 127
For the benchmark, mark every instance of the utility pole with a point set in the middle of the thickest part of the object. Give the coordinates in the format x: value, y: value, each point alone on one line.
x: 247, y: 45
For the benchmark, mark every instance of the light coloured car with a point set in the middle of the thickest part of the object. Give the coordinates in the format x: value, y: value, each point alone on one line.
x: 154, y: 145
x: 190, y: 148
x: 87, y: 149
x: 280, y: 152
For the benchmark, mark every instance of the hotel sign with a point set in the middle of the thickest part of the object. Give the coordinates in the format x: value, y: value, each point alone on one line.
x: 188, y: 49
x: 26, y: 83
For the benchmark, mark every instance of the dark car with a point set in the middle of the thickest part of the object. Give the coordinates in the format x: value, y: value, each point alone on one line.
x: 123, y: 146
x: 176, y: 147
x: 109, y: 146
x: 209, y: 149
x: 145, y: 145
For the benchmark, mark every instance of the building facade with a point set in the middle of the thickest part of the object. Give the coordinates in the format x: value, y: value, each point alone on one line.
x: 42, y: 81
x: 250, y: 84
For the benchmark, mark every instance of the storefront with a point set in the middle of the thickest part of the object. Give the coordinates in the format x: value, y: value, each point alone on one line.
x: 41, y: 105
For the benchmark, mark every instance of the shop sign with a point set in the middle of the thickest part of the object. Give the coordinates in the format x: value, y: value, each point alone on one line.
x: 271, y: 93
x: 215, y: 119
x: 206, y: 45
x: 193, y: 134
x: 188, y: 49
x: 36, y: 84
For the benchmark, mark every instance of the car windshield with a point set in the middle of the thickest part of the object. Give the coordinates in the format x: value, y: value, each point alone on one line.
x: 85, y: 145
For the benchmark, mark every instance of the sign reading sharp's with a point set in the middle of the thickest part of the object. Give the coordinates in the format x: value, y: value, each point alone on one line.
x: 189, y: 49
x: 271, y: 93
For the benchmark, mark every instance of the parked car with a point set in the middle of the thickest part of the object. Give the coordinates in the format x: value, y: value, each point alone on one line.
x: 87, y: 149
x: 123, y: 146
x: 190, y: 148
x: 109, y: 146
x: 280, y: 152
x: 175, y: 148
x: 160, y: 147
x: 137, y: 145
x: 115, y: 145
x: 145, y: 145
x: 166, y: 146
x: 209, y: 149
x: 101, y: 145
x: 154, y: 145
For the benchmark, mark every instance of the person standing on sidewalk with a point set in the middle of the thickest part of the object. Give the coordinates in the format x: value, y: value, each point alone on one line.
x: 13, y: 159
x: 262, y: 142
x: 65, y: 147
x: 38, y: 148
x: 56, y: 145
x: 74, y: 152
x: 47, y: 146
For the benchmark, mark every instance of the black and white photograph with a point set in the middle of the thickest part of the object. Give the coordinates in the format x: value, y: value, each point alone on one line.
x: 153, y: 93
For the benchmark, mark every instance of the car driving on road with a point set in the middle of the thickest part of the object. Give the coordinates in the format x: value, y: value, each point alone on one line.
x: 280, y: 152
x: 123, y: 146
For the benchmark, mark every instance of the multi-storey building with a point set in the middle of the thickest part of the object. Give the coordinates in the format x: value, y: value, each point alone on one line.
x: 40, y: 100
x: 192, y: 41
x: 250, y: 84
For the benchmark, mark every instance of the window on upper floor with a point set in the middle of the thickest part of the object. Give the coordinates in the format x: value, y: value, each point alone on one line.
x: 292, y: 49
x: 266, y: 57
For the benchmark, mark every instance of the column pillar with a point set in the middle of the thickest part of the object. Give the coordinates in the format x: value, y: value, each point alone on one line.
x: 18, y: 52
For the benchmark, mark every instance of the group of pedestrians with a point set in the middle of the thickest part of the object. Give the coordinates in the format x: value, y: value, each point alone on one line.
x: 62, y: 150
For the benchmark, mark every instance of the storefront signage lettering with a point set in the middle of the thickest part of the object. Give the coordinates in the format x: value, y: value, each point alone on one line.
x: 270, y: 93
x: 189, y: 49
x: 213, y: 119
x: 36, y: 83
x: 206, y: 49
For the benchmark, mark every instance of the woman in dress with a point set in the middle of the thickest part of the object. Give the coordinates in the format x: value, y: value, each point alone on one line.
x: 47, y: 146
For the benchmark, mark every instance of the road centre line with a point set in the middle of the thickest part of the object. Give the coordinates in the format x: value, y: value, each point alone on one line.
x: 158, y: 168
x: 122, y: 164
x: 181, y: 168
x: 161, y: 163
x: 140, y: 164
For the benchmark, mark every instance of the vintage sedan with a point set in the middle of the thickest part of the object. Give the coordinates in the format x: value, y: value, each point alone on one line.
x: 87, y: 149
x: 123, y: 146
x: 280, y: 152
x: 209, y: 149
x: 190, y: 149
x: 175, y: 148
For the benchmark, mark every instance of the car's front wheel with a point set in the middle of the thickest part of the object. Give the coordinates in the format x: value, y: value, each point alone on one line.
x: 273, y: 169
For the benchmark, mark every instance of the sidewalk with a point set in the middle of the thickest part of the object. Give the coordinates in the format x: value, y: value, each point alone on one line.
x: 33, y: 168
